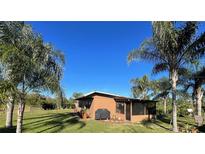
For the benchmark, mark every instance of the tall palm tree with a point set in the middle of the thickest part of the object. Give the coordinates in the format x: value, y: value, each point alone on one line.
x: 45, y: 72
x: 199, y: 80
x: 9, y: 34
x: 7, y: 93
x: 195, y: 79
x: 141, y: 87
x: 172, y: 46
x: 33, y: 65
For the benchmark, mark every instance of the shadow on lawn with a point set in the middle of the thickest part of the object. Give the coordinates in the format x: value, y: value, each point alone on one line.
x: 8, y: 130
x: 182, y: 123
x: 160, y: 125
x: 202, y: 129
x: 51, y: 123
x: 147, y: 123
x: 54, y: 123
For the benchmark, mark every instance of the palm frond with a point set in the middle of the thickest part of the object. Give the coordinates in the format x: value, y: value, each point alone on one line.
x: 162, y: 95
x: 196, y: 48
x: 159, y: 67
x: 147, y: 51
x: 186, y: 33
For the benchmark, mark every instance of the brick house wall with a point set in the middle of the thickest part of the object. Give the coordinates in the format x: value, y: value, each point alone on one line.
x: 103, y: 102
x: 96, y: 100
x: 138, y: 118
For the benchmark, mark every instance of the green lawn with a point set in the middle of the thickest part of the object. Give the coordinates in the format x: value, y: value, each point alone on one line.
x: 40, y: 121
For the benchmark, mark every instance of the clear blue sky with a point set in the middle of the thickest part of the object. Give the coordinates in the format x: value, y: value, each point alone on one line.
x: 96, y: 53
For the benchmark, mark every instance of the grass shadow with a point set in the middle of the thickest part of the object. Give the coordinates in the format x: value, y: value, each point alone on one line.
x: 132, y: 129
x: 160, y: 125
x: 147, y: 123
x: 54, y: 123
x: 201, y: 129
x: 165, y: 120
x: 8, y: 130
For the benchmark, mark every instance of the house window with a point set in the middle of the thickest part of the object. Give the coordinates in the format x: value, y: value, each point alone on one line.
x: 138, y: 109
x: 120, y: 107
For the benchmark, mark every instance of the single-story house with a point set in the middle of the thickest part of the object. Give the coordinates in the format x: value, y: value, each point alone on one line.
x: 108, y: 106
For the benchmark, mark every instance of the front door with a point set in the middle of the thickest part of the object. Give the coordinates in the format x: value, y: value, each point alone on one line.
x: 128, y: 115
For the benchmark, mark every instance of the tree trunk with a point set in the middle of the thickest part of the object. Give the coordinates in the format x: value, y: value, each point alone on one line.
x: 165, y: 105
x: 21, y: 107
x: 9, y: 113
x: 199, y: 95
x: 194, y: 98
x: 174, y: 78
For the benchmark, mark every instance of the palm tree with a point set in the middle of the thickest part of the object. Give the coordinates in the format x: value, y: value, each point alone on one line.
x: 141, y: 87
x: 162, y: 89
x: 60, y: 98
x: 9, y: 34
x: 195, y: 79
x: 33, y: 65
x: 7, y: 93
x: 199, y: 80
x: 172, y: 46
x: 44, y: 73
x: 76, y: 95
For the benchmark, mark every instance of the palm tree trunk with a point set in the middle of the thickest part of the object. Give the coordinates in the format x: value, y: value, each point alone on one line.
x: 9, y: 113
x: 199, y: 95
x: 21, y: 107
x: 194, y: 98
x: 174, y: 78
x: 165, y: 105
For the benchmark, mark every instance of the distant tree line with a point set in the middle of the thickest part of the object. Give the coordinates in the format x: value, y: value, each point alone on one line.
x: 37, y: 101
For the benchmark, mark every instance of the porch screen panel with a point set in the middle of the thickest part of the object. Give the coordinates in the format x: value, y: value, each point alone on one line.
x: 85, y: 103
x: 120, y: 107
x: 138, y: 109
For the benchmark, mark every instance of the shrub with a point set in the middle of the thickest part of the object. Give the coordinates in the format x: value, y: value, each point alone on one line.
x: 182, y: 108
x: 48, y: 106
x: 160, y: 108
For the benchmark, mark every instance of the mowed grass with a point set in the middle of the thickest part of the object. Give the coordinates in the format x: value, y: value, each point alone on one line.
x: 64, y: 121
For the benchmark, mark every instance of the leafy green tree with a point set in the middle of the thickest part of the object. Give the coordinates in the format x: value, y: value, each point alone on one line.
x: 65, y: 103
x: 183, y: 105
x: 34, y: 100
x: 141, y: 87
x: 171, y: 47
x: 76, y: 95
x: 71, y: 100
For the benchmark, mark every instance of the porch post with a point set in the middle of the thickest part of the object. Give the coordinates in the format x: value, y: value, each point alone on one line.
x: 131, y: 111
x: 125, y: 110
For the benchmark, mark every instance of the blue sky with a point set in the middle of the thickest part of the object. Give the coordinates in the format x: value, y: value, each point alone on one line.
x: 96, y: 53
